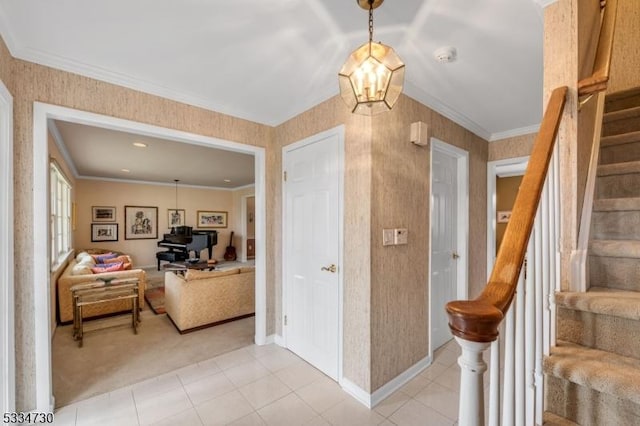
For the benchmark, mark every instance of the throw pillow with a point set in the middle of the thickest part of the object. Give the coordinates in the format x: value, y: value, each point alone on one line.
x: 81, y: 269
x: 87, y: 261
x: 111, y: 267
x: 82, y: 255
x: 100, y: 258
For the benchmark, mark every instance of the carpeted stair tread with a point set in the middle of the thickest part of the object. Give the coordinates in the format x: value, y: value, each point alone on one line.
x: 615, y: 248
x: 619, y: 168
x: 616, y: 204
x: 622, y: 100
x: 550, y: 419
x: 623, y: 304
x: 620, y: 139
x: 622, y: 114
x: 599, y: 370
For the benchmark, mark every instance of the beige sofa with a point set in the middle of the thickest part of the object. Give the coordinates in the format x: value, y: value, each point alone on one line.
x: 68, y: 279
x: 204, y: 298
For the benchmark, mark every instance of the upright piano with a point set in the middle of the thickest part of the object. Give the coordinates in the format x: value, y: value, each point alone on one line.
x: 182, y: 240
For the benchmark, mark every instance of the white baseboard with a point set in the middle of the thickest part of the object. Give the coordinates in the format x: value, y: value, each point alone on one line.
x: 279, y: 340
x: 371, y: 400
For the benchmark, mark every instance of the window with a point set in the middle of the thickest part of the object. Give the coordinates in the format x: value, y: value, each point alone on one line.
x: 60, y: 215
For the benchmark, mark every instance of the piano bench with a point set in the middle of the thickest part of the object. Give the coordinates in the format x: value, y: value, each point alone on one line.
x: 170, y: 256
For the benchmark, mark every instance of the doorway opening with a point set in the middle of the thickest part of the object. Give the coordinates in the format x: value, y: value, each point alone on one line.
x: 41, y: 265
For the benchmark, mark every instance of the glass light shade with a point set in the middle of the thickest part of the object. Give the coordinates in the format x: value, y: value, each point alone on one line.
x: 371, y: 79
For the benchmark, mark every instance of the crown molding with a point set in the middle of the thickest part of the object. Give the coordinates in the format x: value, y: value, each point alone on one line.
x: 57, y: 137
x: 443, y: 109
x: 544, y: 3
x: 149, y: 182
x: 514, y: 132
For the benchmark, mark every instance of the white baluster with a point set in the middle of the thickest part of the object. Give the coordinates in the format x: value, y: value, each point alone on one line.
x: 494, y: 384
x: 529, y: 334
x: 508, y: 390
x: 472, y: 368
x: 519, y: 358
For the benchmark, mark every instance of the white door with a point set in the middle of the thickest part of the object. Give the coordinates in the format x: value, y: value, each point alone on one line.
x: 444, y: 212
x: 311, y: 247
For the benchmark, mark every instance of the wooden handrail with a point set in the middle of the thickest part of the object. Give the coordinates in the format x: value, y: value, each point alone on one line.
x: 598, y: 80
x: 478, y: 320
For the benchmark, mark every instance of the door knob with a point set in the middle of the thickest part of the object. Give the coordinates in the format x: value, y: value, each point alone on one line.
x: 456, y: 255
x: 331, y: 268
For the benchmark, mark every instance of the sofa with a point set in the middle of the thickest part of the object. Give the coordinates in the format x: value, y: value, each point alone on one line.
x: 200, y: 299
x: 79, y: 271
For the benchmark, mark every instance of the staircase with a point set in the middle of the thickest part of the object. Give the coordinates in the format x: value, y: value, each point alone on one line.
x: 593, y: 373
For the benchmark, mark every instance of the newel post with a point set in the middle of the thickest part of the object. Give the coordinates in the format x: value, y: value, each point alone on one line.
x: 472, y: 368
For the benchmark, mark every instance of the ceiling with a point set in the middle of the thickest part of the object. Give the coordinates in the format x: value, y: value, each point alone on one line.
x: 99, y: 153
x: 268, y: 61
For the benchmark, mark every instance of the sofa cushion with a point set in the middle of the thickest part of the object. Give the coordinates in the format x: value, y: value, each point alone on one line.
x: 193, y: 274
x: 122, y: 258
x: 100, y: 258
x: 109, y: 267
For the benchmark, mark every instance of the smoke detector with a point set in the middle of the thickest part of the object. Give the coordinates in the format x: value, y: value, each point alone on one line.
x: 445, y: 54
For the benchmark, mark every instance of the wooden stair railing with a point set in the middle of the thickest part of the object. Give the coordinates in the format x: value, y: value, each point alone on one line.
x: 478, y: 320
x: 597, y: 81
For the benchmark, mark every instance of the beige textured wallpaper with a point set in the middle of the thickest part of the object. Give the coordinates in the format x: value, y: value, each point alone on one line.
x: 517, y: 146
x: 6, y: 63
x: 625, y: 61
x: 38, y: 83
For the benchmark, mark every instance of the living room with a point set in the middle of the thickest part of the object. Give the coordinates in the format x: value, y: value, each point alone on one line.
x: 102, y: 203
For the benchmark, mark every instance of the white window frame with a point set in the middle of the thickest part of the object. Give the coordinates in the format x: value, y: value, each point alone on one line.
x: 60, y: 215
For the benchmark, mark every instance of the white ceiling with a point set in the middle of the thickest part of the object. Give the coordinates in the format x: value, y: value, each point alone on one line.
x: 267, y: 61
x: 99, y: 153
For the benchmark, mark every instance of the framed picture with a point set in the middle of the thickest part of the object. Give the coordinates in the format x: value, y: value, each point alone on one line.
x: 207, y: 219
x: 104, y: 232
x: 504, y: 216
x: 103, y: 214
x: 175, y: 217
x: 140, y: 223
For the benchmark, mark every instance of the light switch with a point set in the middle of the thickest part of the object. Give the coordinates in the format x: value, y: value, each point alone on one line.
x: 388, y: 237
x: 401, y: 236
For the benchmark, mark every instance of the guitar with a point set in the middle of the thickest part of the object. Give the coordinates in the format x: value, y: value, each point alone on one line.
x: 230, y: 252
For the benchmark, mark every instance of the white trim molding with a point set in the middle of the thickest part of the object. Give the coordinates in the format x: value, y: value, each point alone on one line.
x: 544, y: 3
x: 41, y: 277
x: 514, y: 132
x: 7, y: 332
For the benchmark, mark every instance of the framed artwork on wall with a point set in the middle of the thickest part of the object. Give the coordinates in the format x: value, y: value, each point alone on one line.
x: 103, y: 214
x: 104, y: 232
x: 140, y: 223
x: 175, y: 217
x: 209, y: 219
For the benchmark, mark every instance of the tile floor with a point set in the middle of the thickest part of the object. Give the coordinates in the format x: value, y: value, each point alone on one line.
x: 268, y: 385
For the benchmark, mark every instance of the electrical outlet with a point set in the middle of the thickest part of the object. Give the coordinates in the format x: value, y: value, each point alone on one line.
x: 400, y: 236
x: 388, y: 237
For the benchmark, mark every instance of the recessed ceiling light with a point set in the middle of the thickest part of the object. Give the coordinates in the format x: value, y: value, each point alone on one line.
x: 126, y: 170
x: 227, y: 180
x: 140, y: 144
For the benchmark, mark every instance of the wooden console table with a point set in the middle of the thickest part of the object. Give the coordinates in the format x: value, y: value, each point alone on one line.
x: 102, y: 291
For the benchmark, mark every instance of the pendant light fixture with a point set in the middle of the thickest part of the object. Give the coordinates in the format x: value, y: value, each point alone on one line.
x: 371, y: 79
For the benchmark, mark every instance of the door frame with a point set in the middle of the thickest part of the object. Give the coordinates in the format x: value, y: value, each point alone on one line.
x: 339, y: 132
x: 7, y: 331
x: 499, y: 168
x: 462, y: 225
x: 41, y: 269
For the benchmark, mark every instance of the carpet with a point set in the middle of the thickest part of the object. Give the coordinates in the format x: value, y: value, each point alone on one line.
x: 155, y: 299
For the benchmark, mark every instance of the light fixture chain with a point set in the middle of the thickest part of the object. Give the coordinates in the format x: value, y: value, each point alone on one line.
x: 370, y: 21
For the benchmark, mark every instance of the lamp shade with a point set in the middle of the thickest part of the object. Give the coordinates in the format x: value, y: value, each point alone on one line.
x: 371, y: 79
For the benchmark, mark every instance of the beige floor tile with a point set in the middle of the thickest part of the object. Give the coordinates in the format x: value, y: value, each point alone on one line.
x: 290, y: 410
x: 208, y: 388
x: 224, y: 409
x: 264, y: 391
x: 65, y: 416
x: 322, y: 394
x: 298, y: 374
x: 258, y: 351
x: 278, y: 360
x: 446, y: 357
x: 351, y: 413
x: 442, y: 399
x: 317, y: 421
x: 186, y: 418
x: 233, y: 359
x: 450, y: 378
x: 415, y: 385
x: 252, y: 419
x: 246, y: 373
x: 196, y: 372
x: 413, y: 413
x: 387, y: 422
x: 151, y: 388
x: 433, y: 371
x: 391, y: 404
x: 152, y: 410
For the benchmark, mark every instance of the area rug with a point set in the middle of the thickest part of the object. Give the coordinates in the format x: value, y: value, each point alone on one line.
x: 155, y: 299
